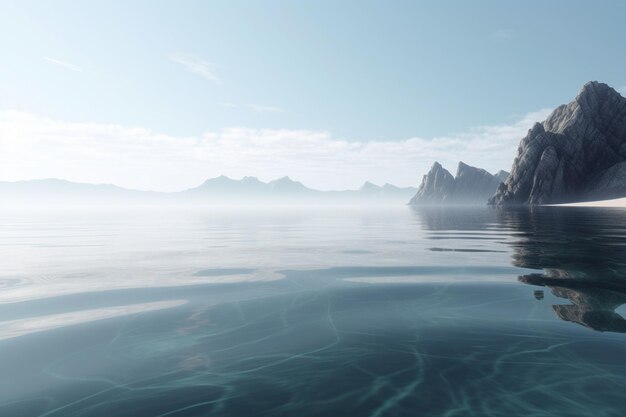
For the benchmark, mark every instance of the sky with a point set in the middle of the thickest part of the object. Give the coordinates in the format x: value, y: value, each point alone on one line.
x: 161, y: 95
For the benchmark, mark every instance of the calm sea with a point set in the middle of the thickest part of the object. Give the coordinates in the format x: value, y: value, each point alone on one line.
x: 313, y: 312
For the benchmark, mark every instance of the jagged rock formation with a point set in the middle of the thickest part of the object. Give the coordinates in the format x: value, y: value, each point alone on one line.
x: 502, y: 175
x: 578, y: 153
x: 435, y: 186
x: 470, y: 186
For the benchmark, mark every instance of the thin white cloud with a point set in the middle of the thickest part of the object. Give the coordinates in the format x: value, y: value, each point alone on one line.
x: 63, y: 64
x: 265, y: 109
x: 197, y: 66
x: 37, y: 147
x: 502, y: 34
x: 261, y: 108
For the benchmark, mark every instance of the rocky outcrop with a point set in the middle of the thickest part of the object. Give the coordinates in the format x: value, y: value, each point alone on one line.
x: 502, y: 175
x: 470, y: 186
x: 578, y: 153
x: 436, y: 185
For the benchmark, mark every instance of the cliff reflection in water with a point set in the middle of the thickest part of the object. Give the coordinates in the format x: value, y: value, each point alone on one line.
x: 582, y: 252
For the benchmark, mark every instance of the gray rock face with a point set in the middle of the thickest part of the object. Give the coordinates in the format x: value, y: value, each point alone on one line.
x: 435, y: 186
x: 470, y: 186
x: 502, y: 175
x: 576, y: 154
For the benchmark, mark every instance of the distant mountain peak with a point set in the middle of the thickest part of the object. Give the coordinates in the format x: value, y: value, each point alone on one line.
x: 471, y: 185
x: 502, y: 175
x: 369, y: 186
x: 436, y: 166
x: 465, y: 169
x: 286, y: 185
x: 217, y: 190
x: 221, y: 178
x: 285, y: 179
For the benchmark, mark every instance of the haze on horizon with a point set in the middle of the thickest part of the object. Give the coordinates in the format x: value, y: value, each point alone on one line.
x: 331, y: 95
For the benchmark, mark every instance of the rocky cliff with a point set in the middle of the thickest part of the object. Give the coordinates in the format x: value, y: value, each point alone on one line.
x: 578, y: 153
x: 470, y: 186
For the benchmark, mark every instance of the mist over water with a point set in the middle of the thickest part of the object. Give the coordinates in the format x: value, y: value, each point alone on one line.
x: 319, y: 311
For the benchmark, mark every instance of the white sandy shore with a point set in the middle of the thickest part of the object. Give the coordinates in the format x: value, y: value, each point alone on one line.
x: 617, y: 202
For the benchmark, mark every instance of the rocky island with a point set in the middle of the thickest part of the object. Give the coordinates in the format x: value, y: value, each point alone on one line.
x: 471, y: 185
x: 577, y: 154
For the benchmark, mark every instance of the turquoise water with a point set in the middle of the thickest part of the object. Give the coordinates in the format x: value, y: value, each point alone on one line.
x: 313, y: 312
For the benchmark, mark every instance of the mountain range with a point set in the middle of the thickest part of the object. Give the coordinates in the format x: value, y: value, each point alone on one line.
x: 577, y: 154
x: 221, y: 190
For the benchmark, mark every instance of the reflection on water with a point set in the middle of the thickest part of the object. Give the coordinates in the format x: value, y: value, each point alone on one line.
x: 16, y: 328
x: 319, y: 313
x: 582, y: 252
x: 592, y: 304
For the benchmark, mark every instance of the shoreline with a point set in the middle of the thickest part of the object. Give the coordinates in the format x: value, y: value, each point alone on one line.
x: 615, y: 202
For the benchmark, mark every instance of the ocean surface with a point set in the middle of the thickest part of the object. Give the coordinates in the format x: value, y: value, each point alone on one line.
x: 313, y: 312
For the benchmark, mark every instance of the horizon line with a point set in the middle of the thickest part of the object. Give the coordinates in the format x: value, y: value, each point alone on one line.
x: 204, y: 182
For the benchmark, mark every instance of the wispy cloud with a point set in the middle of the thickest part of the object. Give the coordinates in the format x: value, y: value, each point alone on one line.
x: 266, y: 109
x: 256, y: 107
x: 502, y: 34
x: 63, y: 64
x: 197, y: 66
x: 37, y: 147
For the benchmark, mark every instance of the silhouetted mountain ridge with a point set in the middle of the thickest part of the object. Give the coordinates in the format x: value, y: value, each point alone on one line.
x: 218, y: 190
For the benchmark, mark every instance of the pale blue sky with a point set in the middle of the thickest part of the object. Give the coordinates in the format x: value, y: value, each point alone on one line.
x: 359, y: 70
